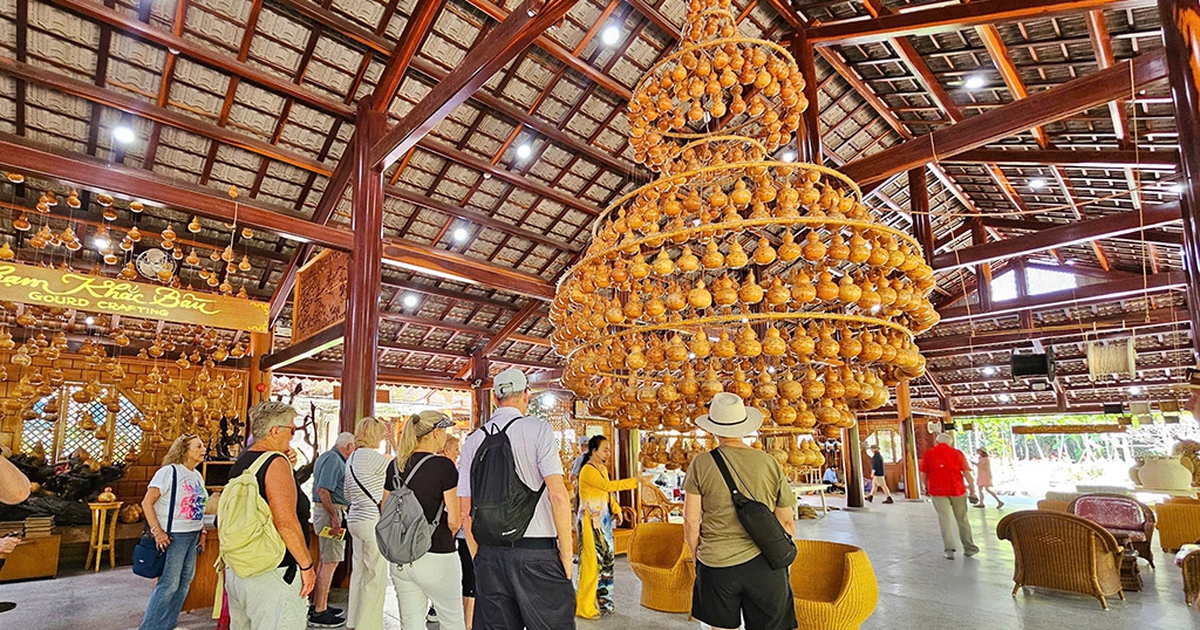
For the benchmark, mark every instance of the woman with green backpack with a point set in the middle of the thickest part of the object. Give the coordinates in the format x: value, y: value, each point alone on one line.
x: 435, y: 576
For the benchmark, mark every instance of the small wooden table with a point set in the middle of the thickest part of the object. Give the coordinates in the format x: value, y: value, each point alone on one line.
x: 808, y: 488
x: 104, y: 534
x: 1131, y: 576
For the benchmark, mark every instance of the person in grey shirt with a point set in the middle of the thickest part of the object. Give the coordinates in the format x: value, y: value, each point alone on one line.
x: 329, y: 474
x: 527, y: 585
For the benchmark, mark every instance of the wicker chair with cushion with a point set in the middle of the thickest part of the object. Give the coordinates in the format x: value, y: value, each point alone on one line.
x: 833, y: 585
x: 1119, y: 515
x: 656, y: 503
x: 659, y: 557
x: 1178, y: 523
x: 1062, y: 552
x: 1188, y: 559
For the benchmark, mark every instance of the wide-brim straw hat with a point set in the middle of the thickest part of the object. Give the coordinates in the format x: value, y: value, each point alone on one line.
x: 728, y: 416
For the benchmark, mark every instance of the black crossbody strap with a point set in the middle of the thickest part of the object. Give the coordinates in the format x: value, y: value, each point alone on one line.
x: 174, y: 487
x: 361, y: 486
x: 719, y: 459
x: 441, y: 504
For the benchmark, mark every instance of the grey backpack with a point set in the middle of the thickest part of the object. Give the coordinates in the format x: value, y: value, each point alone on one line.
x: 403, y: 533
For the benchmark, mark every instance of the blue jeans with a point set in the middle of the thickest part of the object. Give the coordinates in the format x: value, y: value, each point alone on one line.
x: 162, y: 612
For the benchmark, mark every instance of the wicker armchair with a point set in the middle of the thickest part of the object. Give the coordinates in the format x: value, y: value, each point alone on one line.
x: 1178, y: 523
x: 656, y: 503
x: 1119, y: 515
x: 833, y: 586
x: 1062, y: 552
x: 1188, y: 559
x: 659, y: 557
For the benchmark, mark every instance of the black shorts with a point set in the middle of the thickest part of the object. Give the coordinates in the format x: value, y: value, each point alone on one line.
x: 468, y: 568
x: 753, y: 590
x: 522, y: 588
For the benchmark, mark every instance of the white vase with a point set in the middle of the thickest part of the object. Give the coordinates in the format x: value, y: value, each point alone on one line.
x: 1164, y: 473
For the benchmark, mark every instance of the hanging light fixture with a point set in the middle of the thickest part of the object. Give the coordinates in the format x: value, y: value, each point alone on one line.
x: 811, y: 326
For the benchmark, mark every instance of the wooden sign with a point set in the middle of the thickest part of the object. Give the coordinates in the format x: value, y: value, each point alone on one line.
x: 319, y: 300
x: 68, y: 289
x: 1067, y: 429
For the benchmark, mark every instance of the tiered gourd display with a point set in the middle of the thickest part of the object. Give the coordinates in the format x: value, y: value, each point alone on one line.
x: 734, y: 271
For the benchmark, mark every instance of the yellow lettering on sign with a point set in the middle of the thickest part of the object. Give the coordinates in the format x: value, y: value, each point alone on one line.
x: 38, y: 285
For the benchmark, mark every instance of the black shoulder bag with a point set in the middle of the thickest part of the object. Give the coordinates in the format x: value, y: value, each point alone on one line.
x: 772, y: 539
x: 148, y: 561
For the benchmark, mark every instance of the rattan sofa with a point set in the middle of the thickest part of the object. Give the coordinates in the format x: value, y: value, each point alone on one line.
x: 1058, y: 551
x: 1178, y: 522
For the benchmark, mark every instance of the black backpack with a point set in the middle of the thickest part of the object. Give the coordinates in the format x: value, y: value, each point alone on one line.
x: 501, y: 504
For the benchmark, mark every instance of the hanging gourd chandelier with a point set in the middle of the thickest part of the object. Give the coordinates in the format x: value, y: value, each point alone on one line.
x: 734, y: 271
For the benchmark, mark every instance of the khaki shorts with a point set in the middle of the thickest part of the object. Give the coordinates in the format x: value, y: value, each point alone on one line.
x: 331, y: 550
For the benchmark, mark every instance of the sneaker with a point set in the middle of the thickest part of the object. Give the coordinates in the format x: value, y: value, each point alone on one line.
x: 949, y: 555
x: 888, y: 501
x: 870, y: 498
x: 312, y: 610
x: 431, y: 616
x: 6, y: 606
x: 326, y: 620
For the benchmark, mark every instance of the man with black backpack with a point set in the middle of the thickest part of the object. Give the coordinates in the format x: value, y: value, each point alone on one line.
x: 517, y: 515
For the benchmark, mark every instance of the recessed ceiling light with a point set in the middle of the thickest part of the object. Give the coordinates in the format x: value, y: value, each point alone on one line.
x: 974, y: 82
x: 461, y: 234
x: 487, y: 175
x: 989, y: 370
x: 1135, y: 391
x: 1177, y: 189
x: 123, y: 134
x: 1004, y: 398
x: 549, y: 399
x: 524, y: 151
x: 789, y: 156
x: 410, y: 300
x: 610, y: 35
x: 1037, y: 183
x: 90, y: 320
x: 101, y: 243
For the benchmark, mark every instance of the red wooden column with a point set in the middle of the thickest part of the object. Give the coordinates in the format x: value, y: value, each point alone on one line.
x: 983, y: 273
x: 1179, y: 19
x: 808, y: 137
x: 481, y: 403
x: 361, y: 346
x: 918, y: 204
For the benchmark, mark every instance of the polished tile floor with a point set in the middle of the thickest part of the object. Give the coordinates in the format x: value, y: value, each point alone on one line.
x: 919, y: 590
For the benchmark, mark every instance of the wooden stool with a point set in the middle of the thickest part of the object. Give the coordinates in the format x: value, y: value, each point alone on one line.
x: 104, y: 533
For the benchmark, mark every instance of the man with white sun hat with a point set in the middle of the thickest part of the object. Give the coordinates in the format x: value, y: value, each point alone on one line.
x: 734, y: 581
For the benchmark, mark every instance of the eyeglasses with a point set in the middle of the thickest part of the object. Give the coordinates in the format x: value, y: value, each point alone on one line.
x: 290, y: 428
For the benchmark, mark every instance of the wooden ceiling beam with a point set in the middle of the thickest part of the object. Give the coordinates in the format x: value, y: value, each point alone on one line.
x: 458, y: 327
x: 1089, y: 329
x: 487, y: 56
x: 1060, y: 235
x: 1103, y: 159
x: 460, y: 268
x: 399, y: 376
x: 1152, y: 236
x: 1047, y: 106
x: 510, y: 328
x: 560, y: 52
x: 945, y: 18
x: 1087, y: 294
x: 22, y: 156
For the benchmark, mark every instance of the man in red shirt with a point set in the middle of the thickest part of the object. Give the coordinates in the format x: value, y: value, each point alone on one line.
x: 946, y: 476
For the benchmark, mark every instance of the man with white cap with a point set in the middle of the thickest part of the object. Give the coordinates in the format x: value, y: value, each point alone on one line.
x: 522, y: 570
x: 946, y: 476
x: 734, y: 581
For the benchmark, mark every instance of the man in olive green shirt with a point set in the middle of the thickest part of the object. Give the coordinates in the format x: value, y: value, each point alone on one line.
x: 733, y: 580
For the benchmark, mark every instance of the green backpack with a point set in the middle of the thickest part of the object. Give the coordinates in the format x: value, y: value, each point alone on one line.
x: 250, y: 544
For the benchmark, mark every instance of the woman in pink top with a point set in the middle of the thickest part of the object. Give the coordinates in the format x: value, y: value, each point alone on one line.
x: 983, y: 478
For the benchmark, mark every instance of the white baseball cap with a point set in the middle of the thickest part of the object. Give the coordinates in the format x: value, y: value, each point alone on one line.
x: 509, y: 382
